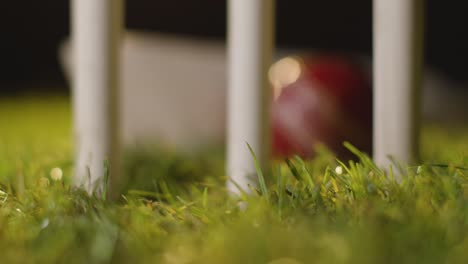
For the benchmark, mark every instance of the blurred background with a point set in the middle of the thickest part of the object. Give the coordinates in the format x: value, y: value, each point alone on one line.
x: 174, y: 65
x: 31, y: 32
x: 173, y: 78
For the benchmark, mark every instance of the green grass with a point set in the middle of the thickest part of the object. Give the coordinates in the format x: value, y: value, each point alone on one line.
x: 175, y: 208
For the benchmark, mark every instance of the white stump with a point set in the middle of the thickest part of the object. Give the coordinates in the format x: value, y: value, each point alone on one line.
x: 96, y: 27
x: 250, y: 48
x: 398, y: 57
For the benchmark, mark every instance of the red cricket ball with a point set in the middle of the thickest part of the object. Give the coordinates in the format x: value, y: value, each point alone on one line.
x: 323, y: 99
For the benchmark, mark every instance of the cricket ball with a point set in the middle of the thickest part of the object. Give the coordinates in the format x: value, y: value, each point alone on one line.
x: 323, y: 99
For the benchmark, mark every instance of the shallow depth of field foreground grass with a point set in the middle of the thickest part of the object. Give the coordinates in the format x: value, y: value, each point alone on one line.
x: 175, y: 208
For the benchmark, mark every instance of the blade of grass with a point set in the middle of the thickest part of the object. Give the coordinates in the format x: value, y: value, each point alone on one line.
x: 280, y: 191
x: 305, y: 172
x: 261, y: 179
x: 205, y: 198
x: 105, y: 180
x: 362, y: 157
x: 293, y: 169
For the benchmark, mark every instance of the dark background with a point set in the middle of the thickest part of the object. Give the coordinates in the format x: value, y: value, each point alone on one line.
x: 30, y: 32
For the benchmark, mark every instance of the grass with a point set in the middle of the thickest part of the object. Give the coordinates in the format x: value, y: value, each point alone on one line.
x: 175, y: 208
